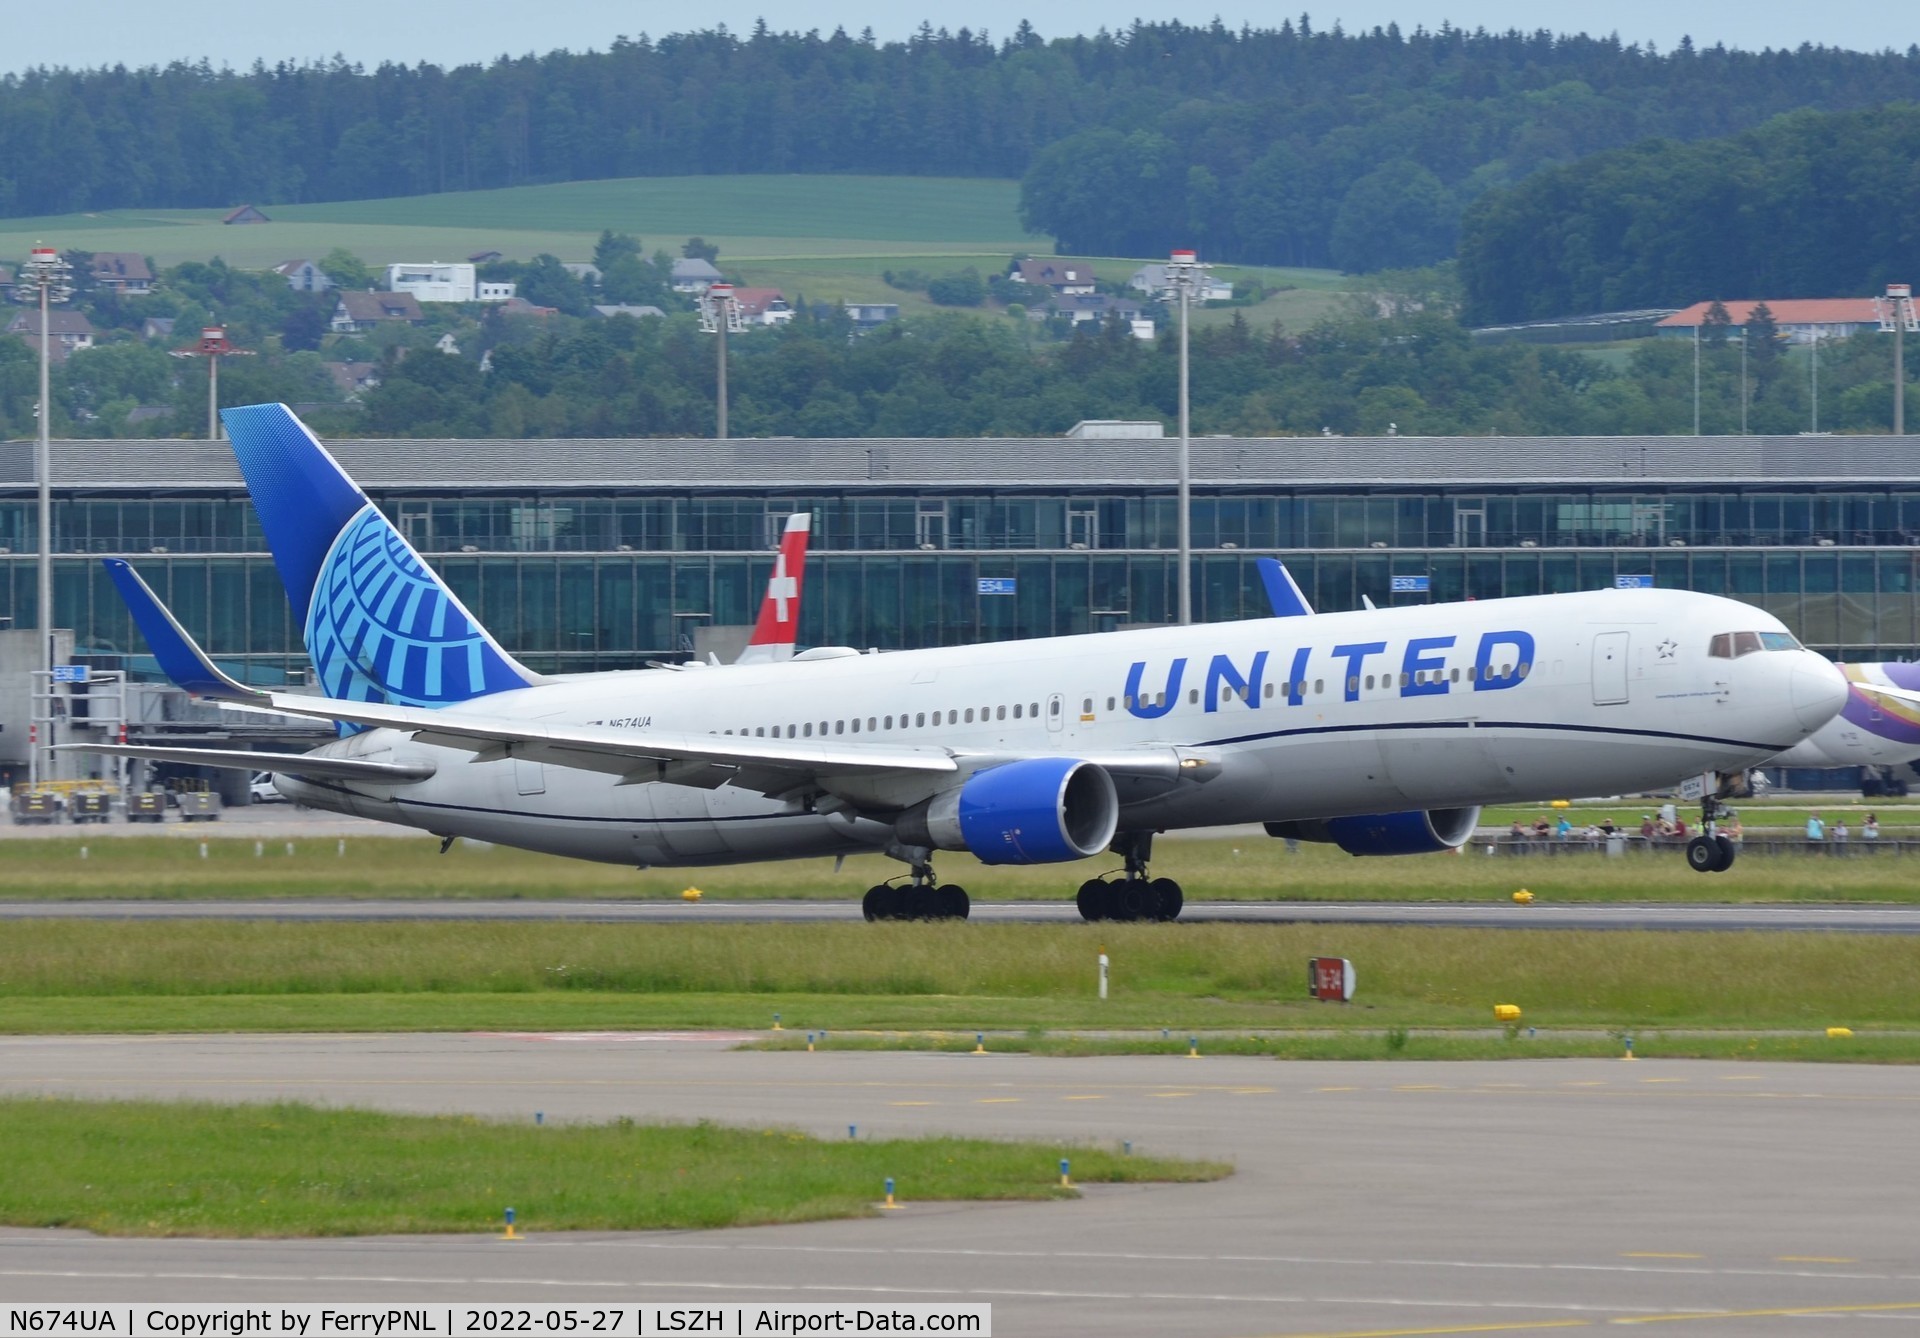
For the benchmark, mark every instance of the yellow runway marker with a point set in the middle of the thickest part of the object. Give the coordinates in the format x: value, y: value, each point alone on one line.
x: 1522, y: 1326
x: 1252, y: 1091
x: 1677, y: 1079
x: 997, y: 1101
x: 1887, y: 1308
x: 1172, y: 1096
x: 1336, y: 1089
x: 1656, y: 1254
x: 1811, y: 1259
x: 1434, y: 1086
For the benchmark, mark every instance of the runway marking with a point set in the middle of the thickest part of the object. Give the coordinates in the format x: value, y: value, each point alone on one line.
x: 1663, y: 1080
x: 1253, y: 1091
x: 1656, y: 1254
x: 1083, y: 1098
x: 995, y: 1101
x: 1810, y: 1259
x: 1172, y: 1096
x: 1797, y: 1311
x: 1520, y: 1326
x: 1588, y: 1083
x: 1336, y: 1089
x: 1421, y: 1087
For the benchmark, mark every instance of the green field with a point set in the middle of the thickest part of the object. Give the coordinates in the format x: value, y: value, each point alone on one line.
x: 92, y: 976
x: 825, y: 237
x: 141, y: 1168
x: 748, y: 216
x: 1252, y: 867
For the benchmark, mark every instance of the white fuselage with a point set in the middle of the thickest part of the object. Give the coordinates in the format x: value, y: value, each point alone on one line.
x: 1351, y: 713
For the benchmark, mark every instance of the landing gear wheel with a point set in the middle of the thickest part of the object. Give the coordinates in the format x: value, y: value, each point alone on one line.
x: 1167, y: 899
x: 1092, y: 900
x: 1703, y: 855
x: 1135, y: 900
x: 874, y: 904
x: 954, y: 902
x: 923, y: 903
x: 1727, y: 851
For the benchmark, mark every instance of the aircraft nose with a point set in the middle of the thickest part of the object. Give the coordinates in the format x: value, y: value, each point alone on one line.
x: 1817, y: 690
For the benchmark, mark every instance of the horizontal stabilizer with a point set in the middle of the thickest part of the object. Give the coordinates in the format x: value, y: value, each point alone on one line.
x: 1905, y: 696
x: 285, y: 764
x: 179, y: 655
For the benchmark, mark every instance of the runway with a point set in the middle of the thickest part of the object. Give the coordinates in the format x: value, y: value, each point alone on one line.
x: 1370, y: 1198
x: 1880, y: 918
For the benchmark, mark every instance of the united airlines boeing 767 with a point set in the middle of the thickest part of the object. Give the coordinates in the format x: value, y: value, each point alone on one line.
x: 1381, y: 731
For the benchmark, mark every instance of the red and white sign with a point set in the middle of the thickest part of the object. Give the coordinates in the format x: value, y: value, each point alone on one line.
x: 1330, y: 979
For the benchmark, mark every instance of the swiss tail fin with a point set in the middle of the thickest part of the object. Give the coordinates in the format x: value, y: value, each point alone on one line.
x: 777, y: 629
x: 1283, y: 592
x: 379, y: 624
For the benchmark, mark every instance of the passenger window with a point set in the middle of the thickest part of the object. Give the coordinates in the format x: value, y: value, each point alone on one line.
x: 1033, y: 708
x: 889, y: 720
x: 1473, y: 673
x: 839, y: 726
x: 856, y: 724
x: 1353, y: 684
x: 1524, y: 667
x: 1269, y: 692
x: 1455, y: 673
x: 1016, y: 710
x: 1053, y: 707
x: 809, y: 730
x: 953, y: 717
x: 1000, y: 713
x: 1109, y: 704
x: 920, y: 719
x: 969, y: 715
x: 1319, y: 686
x: 871, y: 724
x: 792, y: 730
x: 1086, y: 707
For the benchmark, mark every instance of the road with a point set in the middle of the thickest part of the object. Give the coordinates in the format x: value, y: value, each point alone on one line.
x: 1370, y: 1198
x: 1864, y: 919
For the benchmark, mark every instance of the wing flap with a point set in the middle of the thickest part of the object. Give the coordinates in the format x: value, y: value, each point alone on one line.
x: 284, y: 764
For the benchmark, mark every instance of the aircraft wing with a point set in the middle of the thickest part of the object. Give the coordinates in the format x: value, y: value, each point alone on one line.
x: 285, y: 764
x: 634, y: 755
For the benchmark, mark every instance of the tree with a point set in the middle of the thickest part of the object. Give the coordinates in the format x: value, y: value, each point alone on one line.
x: 347, y: 269
x: 546, y: 282
x: 1397, y: 217
x: 699, y: 248
x: 1716, y: 324
x: 962, y: 289
x: 305, y: 326
x: 614, y: 247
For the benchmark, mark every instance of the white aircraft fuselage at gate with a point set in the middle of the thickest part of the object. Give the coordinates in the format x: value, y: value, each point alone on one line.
x: 1381, y: 730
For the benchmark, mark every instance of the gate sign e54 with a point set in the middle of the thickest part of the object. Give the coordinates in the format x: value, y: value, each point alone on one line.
x: 1330, y: 979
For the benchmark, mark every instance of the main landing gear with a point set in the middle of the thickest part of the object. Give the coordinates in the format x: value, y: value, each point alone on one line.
x: 1135, y: 896
x: 1710, y: 852
x: 921, y: 899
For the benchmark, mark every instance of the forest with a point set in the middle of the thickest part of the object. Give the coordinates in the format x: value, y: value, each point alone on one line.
x: 1807, y: 205
x: 1290, y: 145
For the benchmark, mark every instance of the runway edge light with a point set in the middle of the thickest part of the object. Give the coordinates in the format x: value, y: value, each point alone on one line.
x: 889, y: 1203
x: 511, y: 1234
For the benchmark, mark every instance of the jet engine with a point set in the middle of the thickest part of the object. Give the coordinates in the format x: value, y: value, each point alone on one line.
x: 1418, y: 832
x: 1041, y: 810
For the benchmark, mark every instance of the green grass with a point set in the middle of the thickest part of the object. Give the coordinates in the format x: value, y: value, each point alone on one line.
x: 141, y: 1168
x: 1252, y: 867
x: 103, y: 976
x: 748, y: 216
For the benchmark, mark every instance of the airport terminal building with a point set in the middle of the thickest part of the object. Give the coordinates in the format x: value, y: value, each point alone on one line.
x: 600, y: 554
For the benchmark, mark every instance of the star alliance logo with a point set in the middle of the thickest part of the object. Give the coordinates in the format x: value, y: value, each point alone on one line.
x: 1667, y: 648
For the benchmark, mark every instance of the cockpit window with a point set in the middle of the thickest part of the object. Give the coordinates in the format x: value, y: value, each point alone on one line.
x: 1732, y: 645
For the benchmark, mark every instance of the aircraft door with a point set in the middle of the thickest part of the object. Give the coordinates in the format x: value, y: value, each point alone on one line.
x: 1056, y: 713
x: 1610, y: 669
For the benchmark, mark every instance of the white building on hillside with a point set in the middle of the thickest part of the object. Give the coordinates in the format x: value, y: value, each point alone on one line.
x: 438, y: 282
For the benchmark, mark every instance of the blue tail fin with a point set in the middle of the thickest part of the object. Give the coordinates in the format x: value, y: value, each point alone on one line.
x: 380, y: 625
x: 1283, y: 592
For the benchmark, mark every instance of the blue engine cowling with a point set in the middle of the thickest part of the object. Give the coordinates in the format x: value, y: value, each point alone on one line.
x: 1421, y: 831
x: 1040, y: 810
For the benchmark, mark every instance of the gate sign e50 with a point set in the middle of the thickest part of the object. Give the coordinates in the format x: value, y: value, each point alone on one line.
x: 1330, y: 979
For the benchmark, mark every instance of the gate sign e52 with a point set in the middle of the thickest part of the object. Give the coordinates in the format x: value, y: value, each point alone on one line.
x: 1412, y: 585
x: 1330, y: 979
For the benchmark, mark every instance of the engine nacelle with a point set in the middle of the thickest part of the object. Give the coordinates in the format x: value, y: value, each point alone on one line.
x: 1041, y: 810
x: 1419, y: 832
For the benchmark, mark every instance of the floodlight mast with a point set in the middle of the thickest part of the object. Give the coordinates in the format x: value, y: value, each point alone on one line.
x: 719, y: 315
x: 213, y: 346
x: 1185, y: 276
x: 1897, y: 314
x: 45, y: 275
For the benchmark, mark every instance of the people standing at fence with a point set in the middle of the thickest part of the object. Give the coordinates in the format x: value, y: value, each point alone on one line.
x: 1870, y: 829
x: 1647, y: 829
x: 1816, y: 829
x: 1839, y: 831
x: 1563, y: 829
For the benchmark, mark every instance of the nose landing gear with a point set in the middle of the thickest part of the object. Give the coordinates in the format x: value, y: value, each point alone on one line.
x: 1136, y: 896
x: 1712, y: 851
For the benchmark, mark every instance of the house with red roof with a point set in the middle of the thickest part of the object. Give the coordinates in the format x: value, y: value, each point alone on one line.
x: 1800, y: 320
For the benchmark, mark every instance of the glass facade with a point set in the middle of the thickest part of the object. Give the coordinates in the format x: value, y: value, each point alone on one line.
x: 583, y: 582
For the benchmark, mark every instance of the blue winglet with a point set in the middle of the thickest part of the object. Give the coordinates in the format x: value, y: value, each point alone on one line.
x: 181, y: 659
x: 1283, y: 592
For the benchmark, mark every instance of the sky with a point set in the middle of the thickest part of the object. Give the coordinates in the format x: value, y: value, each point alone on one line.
x: 136, y: 32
